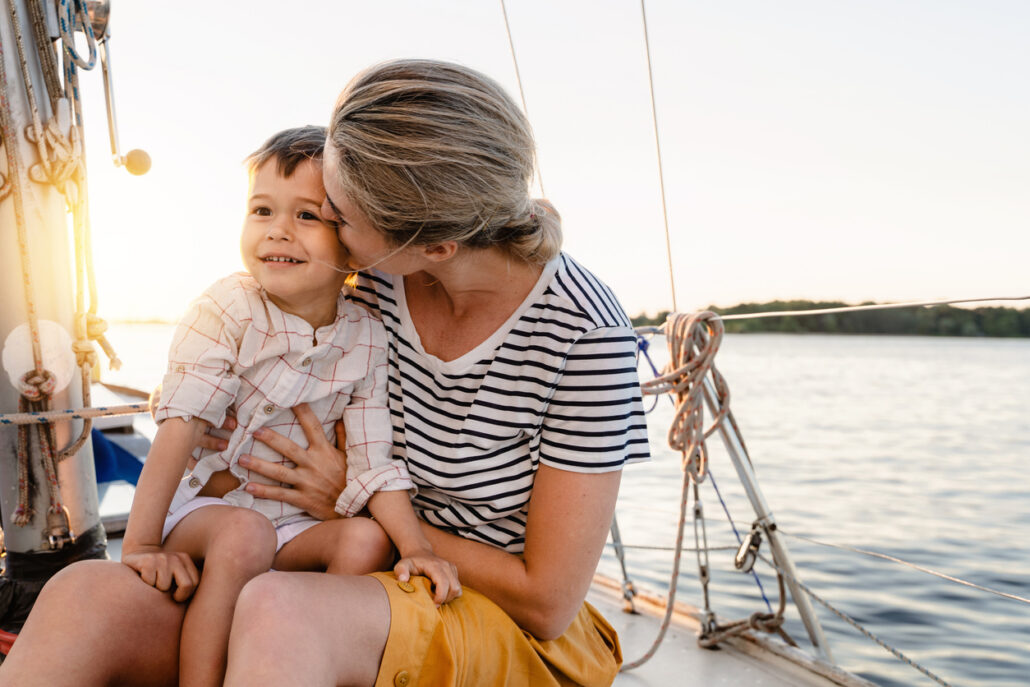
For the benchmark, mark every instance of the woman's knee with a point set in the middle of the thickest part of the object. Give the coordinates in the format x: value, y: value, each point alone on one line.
x: 119, y: 609
x: 272, y: 598
x: 92, y: 583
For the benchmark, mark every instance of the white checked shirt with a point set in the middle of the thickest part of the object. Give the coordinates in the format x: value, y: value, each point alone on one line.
x: 235, y: 348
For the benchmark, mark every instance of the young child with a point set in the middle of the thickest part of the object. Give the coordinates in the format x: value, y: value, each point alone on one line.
x: 257, y: 345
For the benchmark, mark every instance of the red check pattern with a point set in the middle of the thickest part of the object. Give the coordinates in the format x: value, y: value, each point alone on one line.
x: 236, y: 352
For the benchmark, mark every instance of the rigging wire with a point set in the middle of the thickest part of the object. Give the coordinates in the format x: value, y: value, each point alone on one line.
x: 854, y: 623
x: 874, y: 306
x: 914, y: 566
x: 844, y: 309
x: 658, y: 148
x: 522, y: 92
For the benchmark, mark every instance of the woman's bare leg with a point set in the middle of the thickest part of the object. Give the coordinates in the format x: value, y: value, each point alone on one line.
x: 95, y: 624
x: 308, y: 630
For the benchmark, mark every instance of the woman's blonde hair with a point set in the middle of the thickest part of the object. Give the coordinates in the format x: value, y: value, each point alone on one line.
x: 432, y: 151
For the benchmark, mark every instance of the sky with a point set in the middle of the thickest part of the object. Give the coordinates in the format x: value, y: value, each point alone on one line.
x: 863, y: 150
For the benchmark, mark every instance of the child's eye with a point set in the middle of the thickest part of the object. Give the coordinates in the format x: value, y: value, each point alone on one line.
x: 305, y: 215
x: 261, y: 211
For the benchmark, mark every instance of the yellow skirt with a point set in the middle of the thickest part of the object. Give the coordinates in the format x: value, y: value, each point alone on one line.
x: 471, y: 641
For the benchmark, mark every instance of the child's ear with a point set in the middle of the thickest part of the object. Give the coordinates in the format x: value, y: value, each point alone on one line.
x: 439, y: 252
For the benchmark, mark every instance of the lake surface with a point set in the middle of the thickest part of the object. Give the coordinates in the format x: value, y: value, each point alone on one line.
x: 910, y: 446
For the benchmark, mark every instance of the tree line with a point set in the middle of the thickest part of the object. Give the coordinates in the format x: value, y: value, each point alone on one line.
x: 938, y: 320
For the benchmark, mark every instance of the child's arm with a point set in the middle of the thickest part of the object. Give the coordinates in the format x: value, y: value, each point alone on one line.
x: 392, y: 510
x: 141, y: 547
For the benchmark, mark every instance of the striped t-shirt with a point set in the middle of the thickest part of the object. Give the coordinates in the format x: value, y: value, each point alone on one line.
x: 555, y: 384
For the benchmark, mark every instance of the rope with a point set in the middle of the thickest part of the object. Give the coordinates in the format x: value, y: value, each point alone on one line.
x: 736, y: 534
x: 673, y: 583
x: 68, y: 20
x: 518, y: 78
x: 45, y: 50
x: 658, y: 148
x: 14, y: 170
x: 914, y: 566
x: 52, y: 416
x: 765, y: 622
x: 693, y: 342
x: 643, y: 346
x: 854, y: 623
x: 61, y: 165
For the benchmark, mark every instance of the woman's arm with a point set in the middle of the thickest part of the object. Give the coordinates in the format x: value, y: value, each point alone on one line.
x: 570, y: 514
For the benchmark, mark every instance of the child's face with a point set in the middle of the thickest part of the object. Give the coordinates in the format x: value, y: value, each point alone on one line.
x: 289, y: 249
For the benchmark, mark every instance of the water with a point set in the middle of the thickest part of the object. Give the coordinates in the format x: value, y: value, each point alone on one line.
x: 914, y: 447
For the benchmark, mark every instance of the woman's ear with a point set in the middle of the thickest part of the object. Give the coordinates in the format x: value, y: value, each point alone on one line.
x: 440, y: 252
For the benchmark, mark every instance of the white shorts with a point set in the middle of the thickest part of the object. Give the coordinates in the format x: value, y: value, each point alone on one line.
x: 283, y: 533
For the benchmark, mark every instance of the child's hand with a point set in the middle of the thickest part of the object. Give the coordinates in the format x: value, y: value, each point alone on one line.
x: 160, y: 569
x: 442, y: 573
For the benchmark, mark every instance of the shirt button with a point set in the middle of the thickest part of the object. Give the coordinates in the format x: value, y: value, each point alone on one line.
x: 180, y: 368
x: 194, y: 482
x: 402, y: 679
x: 269, y: 409
x: 305, y: 362
x: 406, y: 586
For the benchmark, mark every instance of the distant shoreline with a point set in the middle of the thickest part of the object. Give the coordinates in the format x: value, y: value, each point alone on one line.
x: 938, y: 320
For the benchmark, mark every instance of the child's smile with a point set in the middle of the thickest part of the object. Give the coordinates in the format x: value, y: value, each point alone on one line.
x: 292, y: 252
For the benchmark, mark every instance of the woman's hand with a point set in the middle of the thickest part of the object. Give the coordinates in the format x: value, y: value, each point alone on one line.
x: 443, y: 574
x: 320, y: 474
x: 160, y: 569
x: 208, y: 441
x: 213, y: 443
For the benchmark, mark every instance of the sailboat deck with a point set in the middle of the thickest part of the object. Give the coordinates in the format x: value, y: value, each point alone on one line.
x: 680, y: 661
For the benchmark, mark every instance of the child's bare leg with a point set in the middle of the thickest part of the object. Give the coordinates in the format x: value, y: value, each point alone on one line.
x: 236, y: 545
x: 350, y: 546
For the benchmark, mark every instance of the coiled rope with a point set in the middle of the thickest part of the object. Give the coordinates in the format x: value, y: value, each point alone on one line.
x: 693, y: 342
x: 61, y: 164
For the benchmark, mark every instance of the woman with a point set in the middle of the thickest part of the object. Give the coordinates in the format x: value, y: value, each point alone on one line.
x: 515, y: 403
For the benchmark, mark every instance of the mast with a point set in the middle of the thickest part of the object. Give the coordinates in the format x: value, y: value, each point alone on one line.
x: 46, y: 330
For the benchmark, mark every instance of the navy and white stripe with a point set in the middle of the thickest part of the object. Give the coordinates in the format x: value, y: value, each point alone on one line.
x: 558, y: 385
